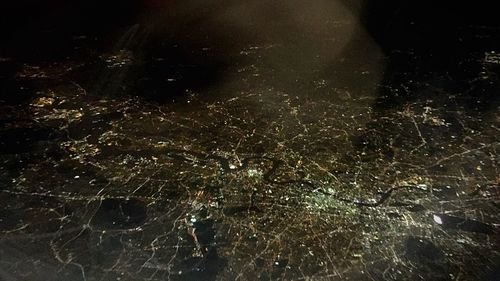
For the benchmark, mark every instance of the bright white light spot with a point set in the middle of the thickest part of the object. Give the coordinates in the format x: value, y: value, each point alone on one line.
x: 422, y: 186
x: 254, y: 173
x: 437, y: 219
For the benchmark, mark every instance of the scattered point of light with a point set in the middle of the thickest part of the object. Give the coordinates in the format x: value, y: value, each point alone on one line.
x: 437, y: 219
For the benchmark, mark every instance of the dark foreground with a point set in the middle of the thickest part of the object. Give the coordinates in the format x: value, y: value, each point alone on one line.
x: 249, y: 140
